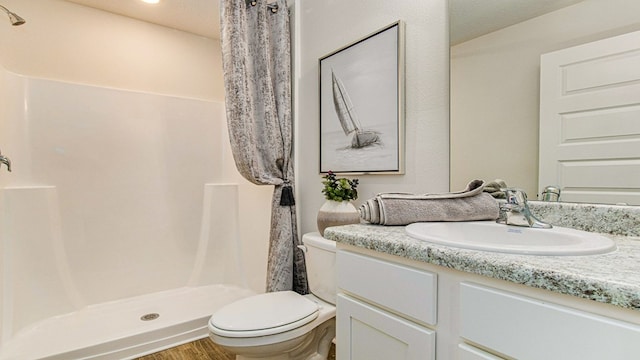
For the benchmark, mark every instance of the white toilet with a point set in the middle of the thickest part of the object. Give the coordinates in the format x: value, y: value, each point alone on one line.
x: 284, y: 325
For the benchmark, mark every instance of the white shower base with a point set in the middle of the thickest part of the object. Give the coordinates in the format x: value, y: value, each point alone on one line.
x: 115, y: 331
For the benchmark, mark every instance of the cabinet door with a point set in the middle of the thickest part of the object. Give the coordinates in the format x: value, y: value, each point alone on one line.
x: 467, y: 352
x: 406, y: 290
x: 365, y: 332
x: 526, y: 328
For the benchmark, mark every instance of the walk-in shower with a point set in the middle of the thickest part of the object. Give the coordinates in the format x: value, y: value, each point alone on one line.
x: 118, y: 234
x: 13, y: 17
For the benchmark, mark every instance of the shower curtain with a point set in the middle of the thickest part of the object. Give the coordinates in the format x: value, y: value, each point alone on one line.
x: 257, y: 76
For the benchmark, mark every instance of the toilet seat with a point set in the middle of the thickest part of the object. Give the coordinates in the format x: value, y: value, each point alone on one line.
x: 264, y: 314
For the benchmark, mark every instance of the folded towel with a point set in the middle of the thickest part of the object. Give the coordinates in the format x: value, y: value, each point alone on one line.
x: 493, y: 188
x: 403, y: 208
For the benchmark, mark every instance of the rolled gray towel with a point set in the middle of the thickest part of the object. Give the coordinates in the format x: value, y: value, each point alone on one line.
x: 403, y: 208
x: 493, y: 188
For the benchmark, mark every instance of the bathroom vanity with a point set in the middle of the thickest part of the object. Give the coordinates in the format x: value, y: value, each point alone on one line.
x: 403, y: 298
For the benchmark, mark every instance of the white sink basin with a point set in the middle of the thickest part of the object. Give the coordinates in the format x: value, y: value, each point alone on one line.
x: 489, y: 236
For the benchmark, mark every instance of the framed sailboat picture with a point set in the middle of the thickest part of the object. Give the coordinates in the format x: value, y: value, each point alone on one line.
x: 362, y: 105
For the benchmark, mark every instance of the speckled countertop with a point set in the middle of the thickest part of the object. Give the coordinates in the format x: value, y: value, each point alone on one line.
x: 612, y: 278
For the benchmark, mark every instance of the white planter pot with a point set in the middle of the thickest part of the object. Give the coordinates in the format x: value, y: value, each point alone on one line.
x: 336, y: 213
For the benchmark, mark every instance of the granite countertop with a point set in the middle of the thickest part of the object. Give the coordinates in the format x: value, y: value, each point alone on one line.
x: 612, y: 278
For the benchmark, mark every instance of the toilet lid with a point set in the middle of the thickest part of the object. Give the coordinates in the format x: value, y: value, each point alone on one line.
x: 264, y: 314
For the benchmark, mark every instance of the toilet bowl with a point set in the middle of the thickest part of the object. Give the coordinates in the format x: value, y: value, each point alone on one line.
x: 284, y: 325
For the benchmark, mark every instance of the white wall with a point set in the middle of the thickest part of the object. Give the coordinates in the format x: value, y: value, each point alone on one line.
x: 71, y: 43
x: 495, y: 89
x: 74, y: 43
x: 323, y: 26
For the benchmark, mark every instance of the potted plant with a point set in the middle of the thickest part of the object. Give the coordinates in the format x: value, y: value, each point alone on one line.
x: 338, y: 209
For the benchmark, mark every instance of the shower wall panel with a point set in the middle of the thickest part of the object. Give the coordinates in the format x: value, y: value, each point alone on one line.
x: 107, y: 196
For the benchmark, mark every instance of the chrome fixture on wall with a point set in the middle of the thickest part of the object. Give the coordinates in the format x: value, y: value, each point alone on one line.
x: 551, y: 193
x: 5, y: 160
x: 13, y: 17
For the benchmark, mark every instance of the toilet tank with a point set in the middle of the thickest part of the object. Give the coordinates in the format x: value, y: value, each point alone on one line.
x: 320, y: 258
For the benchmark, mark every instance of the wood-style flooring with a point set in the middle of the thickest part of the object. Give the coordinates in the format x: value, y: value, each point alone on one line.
x: 203, y: 349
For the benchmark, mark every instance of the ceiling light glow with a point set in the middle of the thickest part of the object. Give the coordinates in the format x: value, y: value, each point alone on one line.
x: 151, y: 1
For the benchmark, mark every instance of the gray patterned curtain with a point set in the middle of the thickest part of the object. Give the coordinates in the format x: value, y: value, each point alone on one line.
x: 256, y: 57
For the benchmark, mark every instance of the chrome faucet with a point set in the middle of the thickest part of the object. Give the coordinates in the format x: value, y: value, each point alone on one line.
x: 5, y: 160
x: 516, y: 210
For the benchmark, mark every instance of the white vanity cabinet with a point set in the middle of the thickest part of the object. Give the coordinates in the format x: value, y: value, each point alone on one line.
x: 383, y: 310
x: 389, y: 307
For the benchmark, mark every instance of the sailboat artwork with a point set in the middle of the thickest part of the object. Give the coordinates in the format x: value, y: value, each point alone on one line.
x: 361, y: 105
x: 348, y: 118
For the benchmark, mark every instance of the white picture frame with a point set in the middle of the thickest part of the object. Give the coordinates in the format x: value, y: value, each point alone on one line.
x: 362, y: 105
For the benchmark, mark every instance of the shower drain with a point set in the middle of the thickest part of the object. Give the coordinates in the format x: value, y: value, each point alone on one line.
x: 149, y: 317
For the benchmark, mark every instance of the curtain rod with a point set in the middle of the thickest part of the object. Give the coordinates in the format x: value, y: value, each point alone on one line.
x: 271, y: 6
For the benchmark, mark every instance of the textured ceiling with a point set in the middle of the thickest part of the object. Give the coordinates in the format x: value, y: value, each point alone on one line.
x: 199, y: 17
x: 469, y: 18
x: 472, y: 18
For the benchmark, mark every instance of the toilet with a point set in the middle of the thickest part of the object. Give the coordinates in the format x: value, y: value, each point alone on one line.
x: 284, y: 325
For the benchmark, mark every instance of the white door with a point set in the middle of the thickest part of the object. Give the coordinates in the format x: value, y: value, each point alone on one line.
x: 590, y: 121
x: 365, y: 332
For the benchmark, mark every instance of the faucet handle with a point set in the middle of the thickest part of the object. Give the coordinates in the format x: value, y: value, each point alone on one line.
x: 515, y: 196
